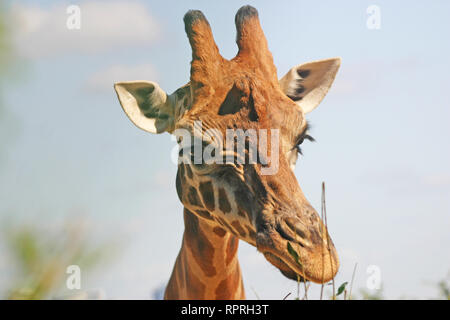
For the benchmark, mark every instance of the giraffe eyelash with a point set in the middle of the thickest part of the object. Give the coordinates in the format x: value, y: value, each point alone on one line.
x: 301, y: 138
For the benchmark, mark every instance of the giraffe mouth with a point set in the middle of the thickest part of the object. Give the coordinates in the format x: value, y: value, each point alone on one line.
x: 283, y: 267
x: 299, y: 259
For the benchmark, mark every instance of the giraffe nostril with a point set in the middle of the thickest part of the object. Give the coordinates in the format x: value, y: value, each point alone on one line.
x: 296, y: 226
x: 288, y: 232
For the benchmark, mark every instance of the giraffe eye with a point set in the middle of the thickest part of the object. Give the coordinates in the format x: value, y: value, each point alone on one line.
x: 304, y: 136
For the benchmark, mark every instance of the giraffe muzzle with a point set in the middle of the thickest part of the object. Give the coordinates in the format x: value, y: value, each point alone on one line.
x: 300, y: 251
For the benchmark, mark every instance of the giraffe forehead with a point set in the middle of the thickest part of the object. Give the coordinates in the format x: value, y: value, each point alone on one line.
x: 234, y: 90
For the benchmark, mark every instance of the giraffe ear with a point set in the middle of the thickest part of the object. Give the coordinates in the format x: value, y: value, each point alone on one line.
x: 147, y: 105
x: 308, y: 83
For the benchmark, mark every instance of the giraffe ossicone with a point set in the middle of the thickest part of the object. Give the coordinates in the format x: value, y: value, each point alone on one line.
x: 236, y: 199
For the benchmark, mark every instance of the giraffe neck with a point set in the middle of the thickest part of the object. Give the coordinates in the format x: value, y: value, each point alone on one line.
x: 207, y: 266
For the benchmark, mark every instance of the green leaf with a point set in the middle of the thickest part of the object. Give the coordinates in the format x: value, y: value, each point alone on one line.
x: 341, y: 288
x: 293, y: 253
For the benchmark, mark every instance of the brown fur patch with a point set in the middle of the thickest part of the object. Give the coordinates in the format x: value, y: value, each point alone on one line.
x: 225, y: 289
x: 193, y: 197
x: 239, y: 229
x: 204, y: 214
x: 226, y: 225
x: 201, y: 249
x: 189, y: 172
x: 195, y: 286
x: 207, y: 192
x: 232, y: 246
x: 224, y: 204
x: 219, y: 231
x: 244, y: 202
x: 251, y: 233
x: 181, y: 169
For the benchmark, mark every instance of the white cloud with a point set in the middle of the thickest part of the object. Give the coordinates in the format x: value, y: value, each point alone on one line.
x: 105, y: 25
x: 103, y: 80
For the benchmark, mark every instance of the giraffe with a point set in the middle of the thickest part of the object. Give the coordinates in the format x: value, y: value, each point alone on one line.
x: 232, y: 201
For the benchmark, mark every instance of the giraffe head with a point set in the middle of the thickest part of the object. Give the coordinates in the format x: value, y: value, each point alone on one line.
x: 259, y: 201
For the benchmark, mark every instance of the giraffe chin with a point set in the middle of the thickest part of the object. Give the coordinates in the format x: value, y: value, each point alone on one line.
x: 283, y: 267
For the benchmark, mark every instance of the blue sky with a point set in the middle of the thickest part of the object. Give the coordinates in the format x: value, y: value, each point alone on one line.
x: 382, y: 133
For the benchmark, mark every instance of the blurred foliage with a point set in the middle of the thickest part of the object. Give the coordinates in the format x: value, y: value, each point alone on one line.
x: 41, y: 258
x: 5, y: 47
x: 38, y: 254
x: 366, y: 294
x: 444, y: 288
x: 6, y: 57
